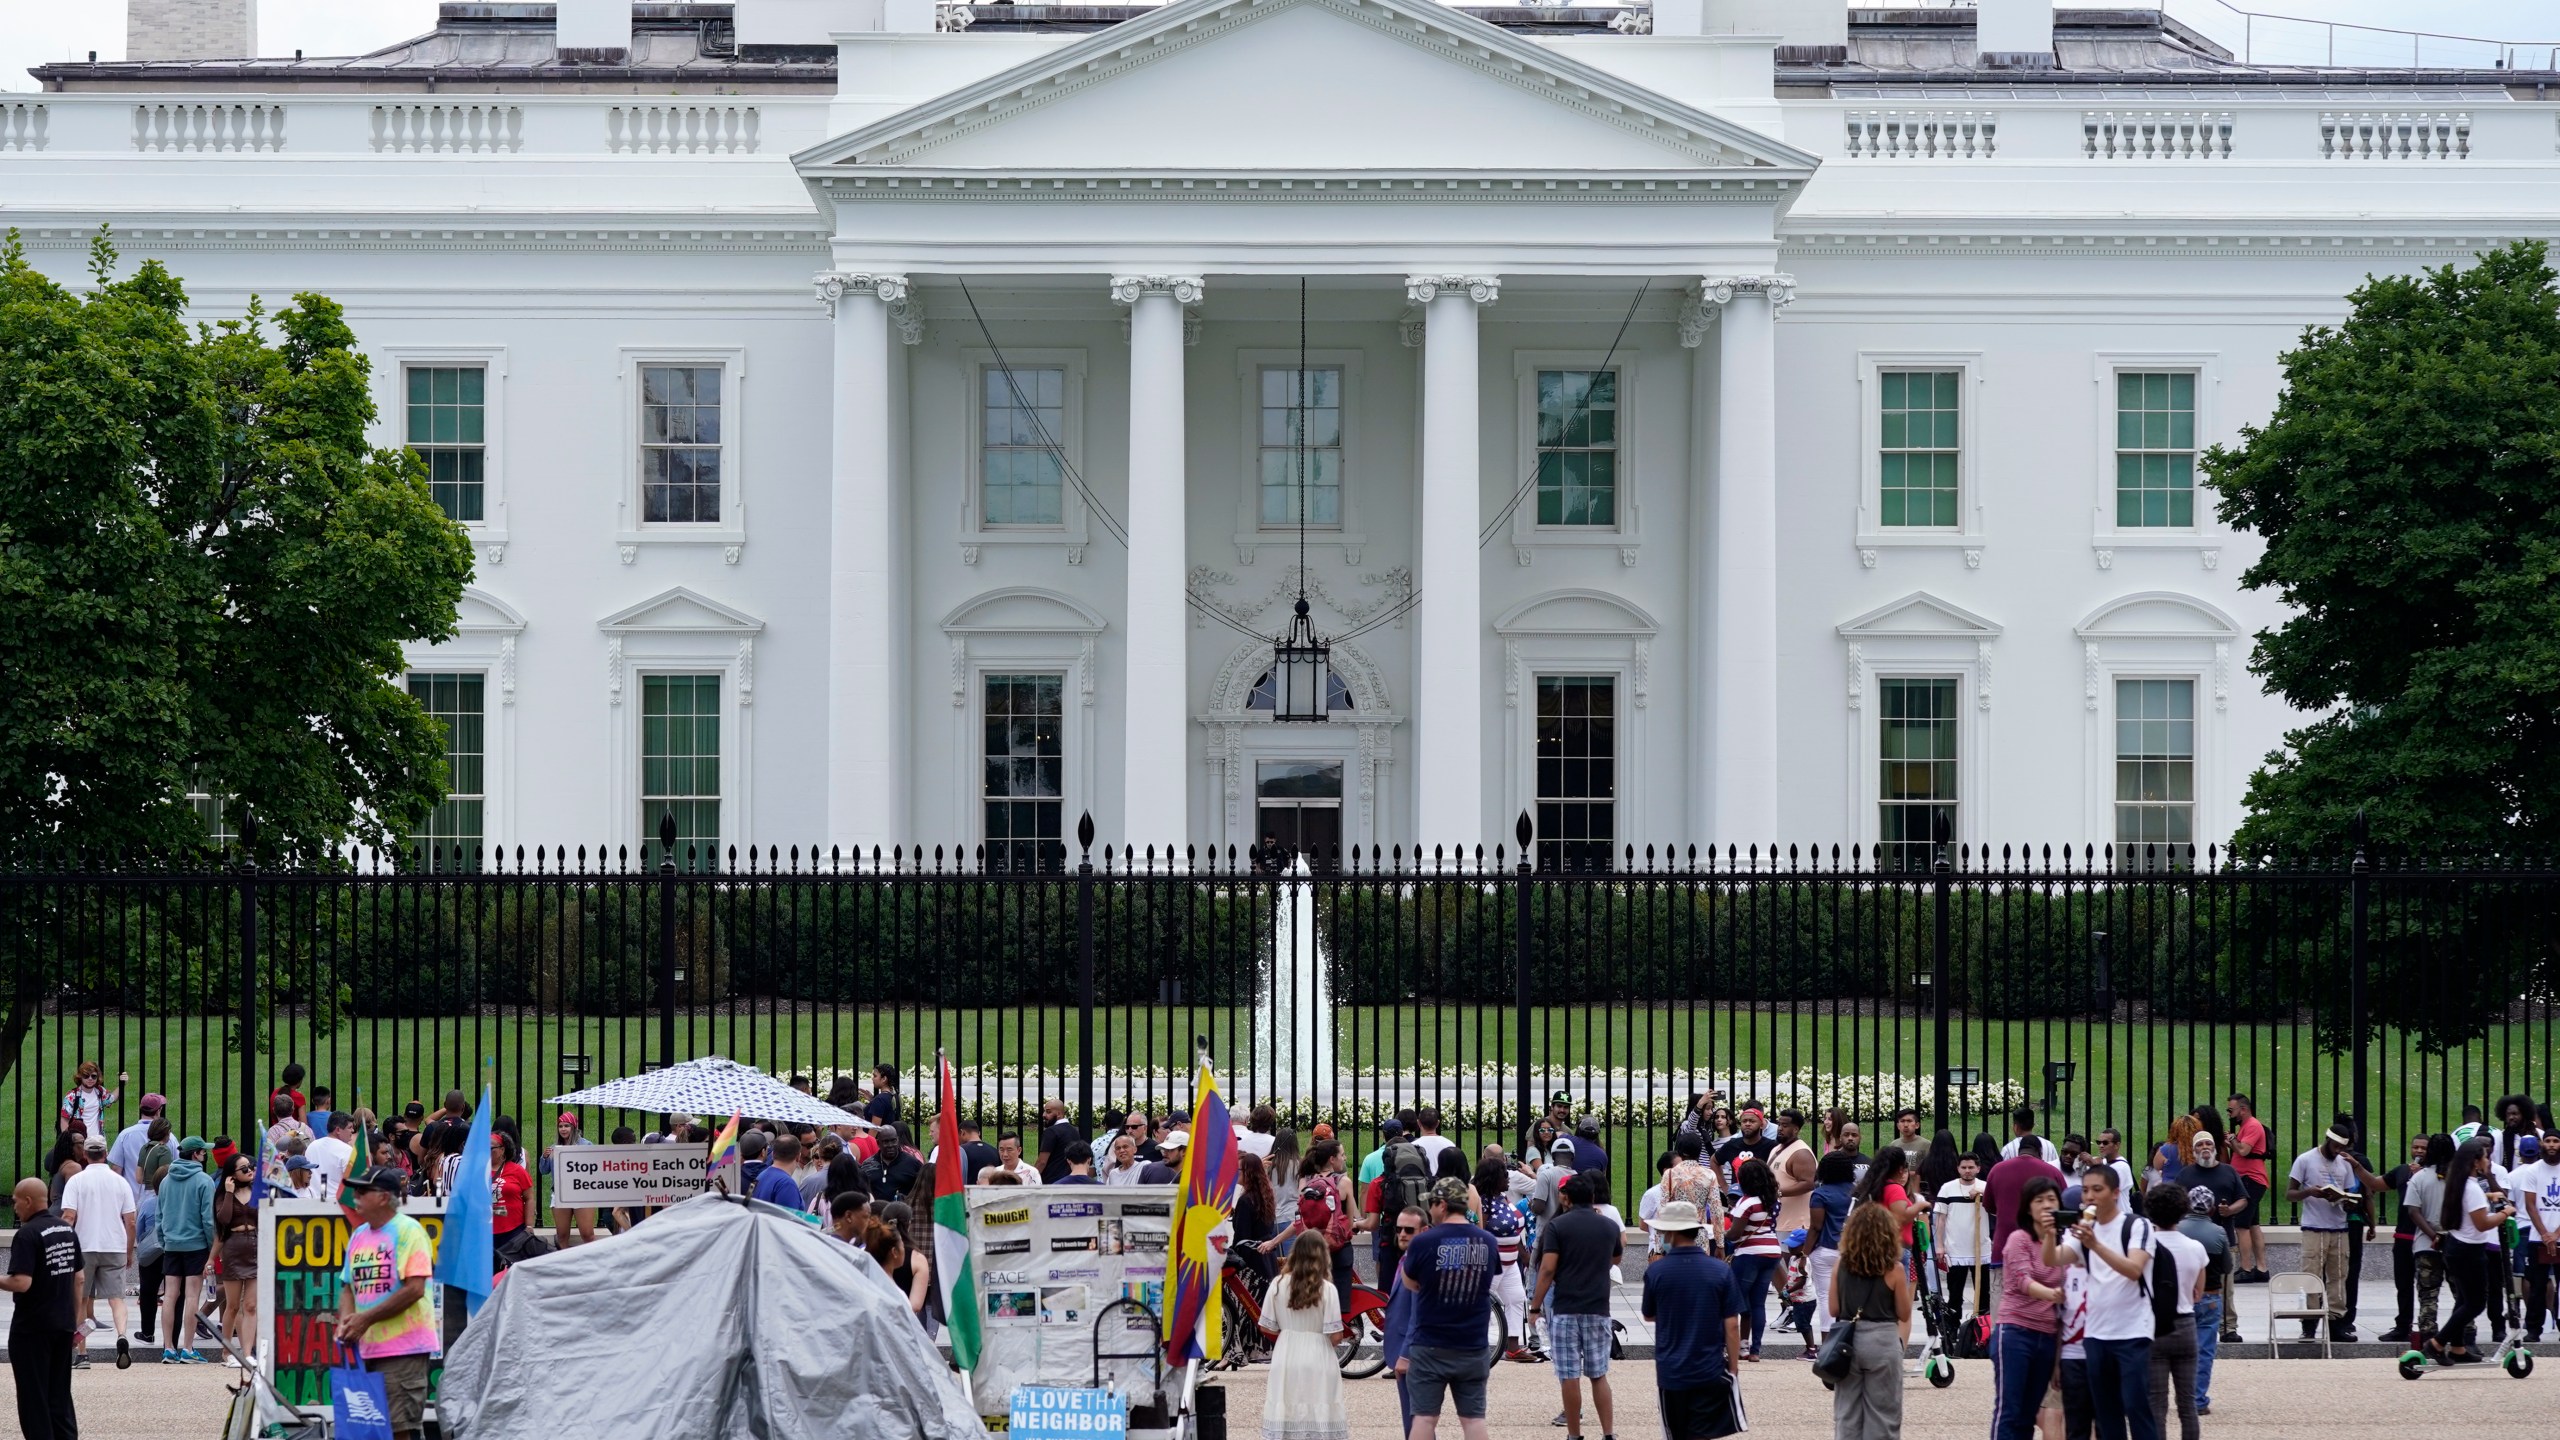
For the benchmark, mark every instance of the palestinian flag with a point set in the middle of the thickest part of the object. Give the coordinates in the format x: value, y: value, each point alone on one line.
x: 951, y: 1269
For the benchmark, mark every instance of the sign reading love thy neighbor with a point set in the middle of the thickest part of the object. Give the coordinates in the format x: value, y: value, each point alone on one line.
x: 1053, y: 1412
x: 612, y: 1175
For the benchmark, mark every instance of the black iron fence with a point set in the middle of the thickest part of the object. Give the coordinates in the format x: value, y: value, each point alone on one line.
x: 2099, y: 990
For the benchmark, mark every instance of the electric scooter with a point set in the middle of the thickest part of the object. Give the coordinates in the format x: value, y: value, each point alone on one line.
x: 2511, y: 1355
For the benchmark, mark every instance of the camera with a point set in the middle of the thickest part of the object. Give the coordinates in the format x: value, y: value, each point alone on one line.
x: 2066, y: 1218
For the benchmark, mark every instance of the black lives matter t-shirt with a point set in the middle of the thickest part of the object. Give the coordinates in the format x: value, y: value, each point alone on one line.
x: 47, y: 1252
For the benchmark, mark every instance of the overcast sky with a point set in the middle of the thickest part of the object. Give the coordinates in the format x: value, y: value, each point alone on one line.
x: 35, y: 31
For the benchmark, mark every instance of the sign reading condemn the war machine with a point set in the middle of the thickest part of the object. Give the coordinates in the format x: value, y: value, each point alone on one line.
x: 614, y: 1175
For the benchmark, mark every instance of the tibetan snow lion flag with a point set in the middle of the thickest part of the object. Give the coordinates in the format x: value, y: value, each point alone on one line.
x: 1205, y: 1199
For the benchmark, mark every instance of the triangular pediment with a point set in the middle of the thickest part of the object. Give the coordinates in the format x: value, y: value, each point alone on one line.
x: 680, y: 611
x: 1919, y: 613
x: 1220, y: 86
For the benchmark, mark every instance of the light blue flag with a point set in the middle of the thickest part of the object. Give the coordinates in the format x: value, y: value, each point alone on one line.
x: 463, y: 1260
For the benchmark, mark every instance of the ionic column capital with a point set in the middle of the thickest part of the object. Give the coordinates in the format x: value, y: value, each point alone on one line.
x: 1423, y: 289
x: 1720, y: 289
x: 1185, y: 289
x: 890, y: 290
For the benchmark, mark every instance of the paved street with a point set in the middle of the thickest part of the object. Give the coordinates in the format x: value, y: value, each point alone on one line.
x: 2260, y: 1399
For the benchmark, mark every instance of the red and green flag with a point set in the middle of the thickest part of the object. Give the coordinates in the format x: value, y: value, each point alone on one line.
x: 951, y: 1267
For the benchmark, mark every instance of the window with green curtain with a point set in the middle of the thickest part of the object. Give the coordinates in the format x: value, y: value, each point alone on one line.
x: 1578, y: 447
x: 2155, y: 771
x: 452, y: 837
x: 447, y: 408
x: 1021, y: 427
x: 1577, y: 772
x: 1917, y: 769
x: 1282, y: 405
x: 680, y: 763
x: 1023, y: 771
x: 1920, y: 448
x: 2155, y: 450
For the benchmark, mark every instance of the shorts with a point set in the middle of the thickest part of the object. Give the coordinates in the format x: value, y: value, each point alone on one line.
x: 183, y: 1264
x: 105, y: 1275
x: 404, y: 1385
x: 1702, y: 1412
x: 1579, y: 1344
x: 2247, y: 1219
x: 1430, y: 1370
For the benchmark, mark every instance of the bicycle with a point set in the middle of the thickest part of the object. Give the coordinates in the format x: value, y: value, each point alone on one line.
x: 1361, y: 1350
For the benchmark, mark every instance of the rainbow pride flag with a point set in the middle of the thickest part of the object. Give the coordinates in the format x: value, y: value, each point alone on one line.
x: 724, y: 1149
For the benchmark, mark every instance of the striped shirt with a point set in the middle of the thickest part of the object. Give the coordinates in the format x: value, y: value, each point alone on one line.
x: 1751, y: 1230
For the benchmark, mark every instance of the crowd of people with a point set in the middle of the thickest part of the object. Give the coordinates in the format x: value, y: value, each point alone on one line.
x: 2099, y: 1284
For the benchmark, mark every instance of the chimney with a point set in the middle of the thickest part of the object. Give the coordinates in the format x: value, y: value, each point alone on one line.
x: 2014, y: 34
x: 1808, y: 31
x: 598, y: 31
x: 191, y: 29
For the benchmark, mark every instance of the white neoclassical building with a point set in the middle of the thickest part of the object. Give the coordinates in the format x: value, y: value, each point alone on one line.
x: 1733, y: 422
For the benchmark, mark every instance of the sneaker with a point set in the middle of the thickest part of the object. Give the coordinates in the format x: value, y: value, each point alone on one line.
x: 2397, y: 1334
x: 1558, y: 1422
x: 2230, y: 1337
x: 230, y: 1361
x: 124, y: 1353
x: 173, y: 1357
x: 2203, y: 1410
x: 80, y: 1359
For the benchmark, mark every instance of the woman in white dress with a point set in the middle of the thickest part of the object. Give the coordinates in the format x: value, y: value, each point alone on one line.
x: 1304, y: 1399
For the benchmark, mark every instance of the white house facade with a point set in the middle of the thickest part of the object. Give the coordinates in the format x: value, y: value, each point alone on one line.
x: 1733, y: 423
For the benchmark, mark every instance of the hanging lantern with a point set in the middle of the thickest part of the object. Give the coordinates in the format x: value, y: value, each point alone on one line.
x: 1301, y: 671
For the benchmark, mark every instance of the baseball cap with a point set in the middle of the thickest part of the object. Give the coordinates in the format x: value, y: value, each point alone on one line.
x: 1175, y: 1141
x: 97, y: 1145
x: 193, y: 1144
x: 1587, y: 1125
x: 1559, y: 1098
x: 155, y: 1102
x: 1391, y: 1127
x: 1452, y: 1192
x: 1677, y: 1215
x: 297, y: 1162
x: 2527, y: 1148
x: 1563, y: 1146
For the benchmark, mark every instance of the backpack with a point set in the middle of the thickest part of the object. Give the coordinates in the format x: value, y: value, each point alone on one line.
x: 1337, y: 1222
x: 2163, y: 1285
x: 1408, y: 1177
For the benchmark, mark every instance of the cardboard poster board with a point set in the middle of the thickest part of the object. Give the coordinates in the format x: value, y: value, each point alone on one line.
x: 1048, y: 1259
x: 612, y: 1176
x: 302, y: 1244
x: 1050, y: 1412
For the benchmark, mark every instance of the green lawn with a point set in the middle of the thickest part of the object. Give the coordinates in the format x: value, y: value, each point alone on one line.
x: 2132, y: 1075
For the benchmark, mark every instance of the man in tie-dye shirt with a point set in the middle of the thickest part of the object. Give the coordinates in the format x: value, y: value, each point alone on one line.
x: 383, y: 1305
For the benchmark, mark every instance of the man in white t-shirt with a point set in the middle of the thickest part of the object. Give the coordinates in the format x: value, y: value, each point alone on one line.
x: 99, y: 1206
x: 2022, y: 1128
x: 2115, y: 1248
x: 332, y: 1153
x: 1431, y: 1142
x: 2535, y: 1189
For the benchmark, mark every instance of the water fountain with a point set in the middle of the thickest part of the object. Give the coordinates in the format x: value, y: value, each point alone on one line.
x: 1293, y: 1051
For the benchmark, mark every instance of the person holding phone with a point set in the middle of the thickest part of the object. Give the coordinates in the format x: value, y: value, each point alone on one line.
x: 2469, y: 1222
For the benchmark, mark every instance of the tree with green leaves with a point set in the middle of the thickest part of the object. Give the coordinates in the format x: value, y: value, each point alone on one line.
x: 206, y: 575
x: 2408, y: 489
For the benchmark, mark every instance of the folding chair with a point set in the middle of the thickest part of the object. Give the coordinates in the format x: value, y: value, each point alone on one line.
x: 2297, y: 1295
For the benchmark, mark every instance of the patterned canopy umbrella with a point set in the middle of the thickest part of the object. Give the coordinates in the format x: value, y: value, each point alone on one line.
x: 712, y: 1085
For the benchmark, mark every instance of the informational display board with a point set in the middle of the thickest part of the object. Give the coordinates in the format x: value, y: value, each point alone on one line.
x: 302, y: 1246
x: 611, y: 1176
x: 1048, y: 1259
x: 1057, y: 1412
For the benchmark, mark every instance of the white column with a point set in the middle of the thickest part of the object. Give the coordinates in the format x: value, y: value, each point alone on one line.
x: 1448, y: 684
x: 1743, y: 727
x: 867, y: 769
x: 1156, y: 728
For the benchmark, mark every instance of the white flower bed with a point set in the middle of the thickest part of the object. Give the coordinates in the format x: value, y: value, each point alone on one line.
x: 1481, y: 1097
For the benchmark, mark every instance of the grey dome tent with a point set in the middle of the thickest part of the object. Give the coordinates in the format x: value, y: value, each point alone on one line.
x: 715, y: 1318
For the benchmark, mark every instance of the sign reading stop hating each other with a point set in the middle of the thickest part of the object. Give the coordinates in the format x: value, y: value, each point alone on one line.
x: 608, y: 1176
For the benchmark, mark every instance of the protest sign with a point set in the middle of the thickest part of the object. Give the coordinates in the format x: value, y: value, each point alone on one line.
x: 302, y: 1247
x: 613, y: 1176
x: 1050, y: 1412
